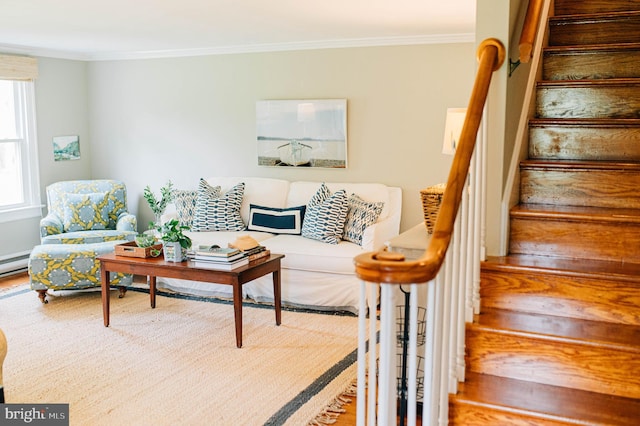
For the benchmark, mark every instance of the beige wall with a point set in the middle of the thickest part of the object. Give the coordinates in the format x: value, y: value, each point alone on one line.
x: 186, y: 118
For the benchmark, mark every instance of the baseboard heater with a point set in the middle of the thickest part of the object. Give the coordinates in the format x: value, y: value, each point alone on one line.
x: 14, y: 263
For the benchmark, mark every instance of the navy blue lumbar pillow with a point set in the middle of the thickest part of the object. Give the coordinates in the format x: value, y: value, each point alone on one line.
x: 276, y: 220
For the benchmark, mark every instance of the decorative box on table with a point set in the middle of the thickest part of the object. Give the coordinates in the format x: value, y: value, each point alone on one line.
x: 131, y: 249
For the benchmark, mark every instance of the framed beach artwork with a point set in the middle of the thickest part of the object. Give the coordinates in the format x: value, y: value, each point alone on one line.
x: 302, y: 133
x: 66, y: 148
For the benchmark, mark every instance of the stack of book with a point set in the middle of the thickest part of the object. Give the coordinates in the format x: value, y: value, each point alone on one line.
x: 256, y: 253
x: 219, y: 258
x: 226, y: 258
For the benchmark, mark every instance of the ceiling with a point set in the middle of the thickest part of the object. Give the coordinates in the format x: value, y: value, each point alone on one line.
x: 127, y: 29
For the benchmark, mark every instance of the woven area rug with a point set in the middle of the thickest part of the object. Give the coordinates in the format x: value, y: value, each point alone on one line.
x: 176, y: 364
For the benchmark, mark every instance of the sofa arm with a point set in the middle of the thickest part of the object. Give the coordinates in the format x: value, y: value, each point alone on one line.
x: 376, y: 235
x: 127, y: 222
x: 50, y: 225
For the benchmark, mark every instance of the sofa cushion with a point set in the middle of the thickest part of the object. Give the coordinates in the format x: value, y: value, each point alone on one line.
x: 300, y: 192
x: 219, y: 213
x: 276, y: 220
x: 257, y: 190
x: 311, y: 255
x: 361, y: 215
x: 325, y: 216
x: 185, y: 201
x: 85, y: 212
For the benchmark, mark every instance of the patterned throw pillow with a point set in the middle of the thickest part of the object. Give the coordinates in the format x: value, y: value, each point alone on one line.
x: 86, y: 212
x: 185, y: 201
x: 321, y: 194
x: 361, y: 215
x: 275, y: 220
x: 325, y: 216
x: 219, y: 213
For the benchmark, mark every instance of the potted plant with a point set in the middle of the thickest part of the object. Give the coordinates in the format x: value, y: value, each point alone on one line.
x: 174, y: 242
x: 156, y: 205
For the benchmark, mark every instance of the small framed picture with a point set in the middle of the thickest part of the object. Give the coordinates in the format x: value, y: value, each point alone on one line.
x: 66, y: 148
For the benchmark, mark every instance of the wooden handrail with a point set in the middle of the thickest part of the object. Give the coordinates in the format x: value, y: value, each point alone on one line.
x: 529, y: 29
x: 391, y: 268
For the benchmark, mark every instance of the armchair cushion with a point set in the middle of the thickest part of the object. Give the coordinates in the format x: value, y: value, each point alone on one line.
x: 86, y: 206
x: 89, y: 237
x: 85, y: 212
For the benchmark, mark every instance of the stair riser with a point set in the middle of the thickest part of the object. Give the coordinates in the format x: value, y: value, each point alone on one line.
x: 591, y: 65
x: 465, y: 414
x: 594, y: 299
x: 588, y: 102
x: 582, y: 32
x: 596, y: 188
x: 574, y: 7
x: 536, y: 359
x: 611, y: 241
x: 584, y: 143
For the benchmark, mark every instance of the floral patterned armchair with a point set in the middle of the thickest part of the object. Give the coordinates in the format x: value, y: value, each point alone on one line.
x: 86, y: 219
x: 87, y: 211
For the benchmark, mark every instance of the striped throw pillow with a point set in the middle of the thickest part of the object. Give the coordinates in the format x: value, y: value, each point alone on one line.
x: 325, y: 216
x: 219, y: 213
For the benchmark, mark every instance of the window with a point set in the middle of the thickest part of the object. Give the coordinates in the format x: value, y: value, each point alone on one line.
x: 19, y: 191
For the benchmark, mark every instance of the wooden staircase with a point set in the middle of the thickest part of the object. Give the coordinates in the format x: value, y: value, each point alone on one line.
x: 558, y: 338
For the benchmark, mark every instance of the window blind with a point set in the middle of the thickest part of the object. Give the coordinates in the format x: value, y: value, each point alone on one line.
x: 21, y: 68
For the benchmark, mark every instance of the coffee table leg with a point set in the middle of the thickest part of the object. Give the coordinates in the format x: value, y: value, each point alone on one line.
x: 237, y: 310
x: 277, y: 296
x: 106, y: 294
x: 152, y: 291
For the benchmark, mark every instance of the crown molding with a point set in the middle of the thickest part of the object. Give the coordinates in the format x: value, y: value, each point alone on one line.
x: 43, y: 52
x: 250, y: 48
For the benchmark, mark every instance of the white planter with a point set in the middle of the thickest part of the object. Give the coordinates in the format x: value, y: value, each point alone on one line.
x: 173, y: 252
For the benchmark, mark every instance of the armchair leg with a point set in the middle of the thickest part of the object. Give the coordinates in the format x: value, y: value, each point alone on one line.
x: 121, y: 291
x: 42, y: 294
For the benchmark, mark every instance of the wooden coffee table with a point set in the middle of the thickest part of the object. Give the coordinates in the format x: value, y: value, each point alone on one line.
x: 157, y: 267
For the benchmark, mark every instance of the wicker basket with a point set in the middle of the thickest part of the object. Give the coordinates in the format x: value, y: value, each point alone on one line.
x: 431, y: 199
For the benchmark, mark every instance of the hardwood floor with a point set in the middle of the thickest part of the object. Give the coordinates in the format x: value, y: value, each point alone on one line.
x: 13, y: 280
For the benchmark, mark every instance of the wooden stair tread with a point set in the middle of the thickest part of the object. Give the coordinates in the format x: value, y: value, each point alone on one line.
x: 581, y: 164
x: 576, y: 213
x: 571, y: 330
x: 572, y: 7
x: 590, y: 268
x: 584, y: 122
x: 547, y: 402
x: 592, y: 48
x: 594, y: 17
x: 572, y: 84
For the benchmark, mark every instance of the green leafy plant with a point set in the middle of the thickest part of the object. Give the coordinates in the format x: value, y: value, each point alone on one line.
x: 158, y: 206
x: 172, y: 232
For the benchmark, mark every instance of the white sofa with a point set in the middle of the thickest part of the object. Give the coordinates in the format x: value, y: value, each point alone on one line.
x: 315, y: 274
